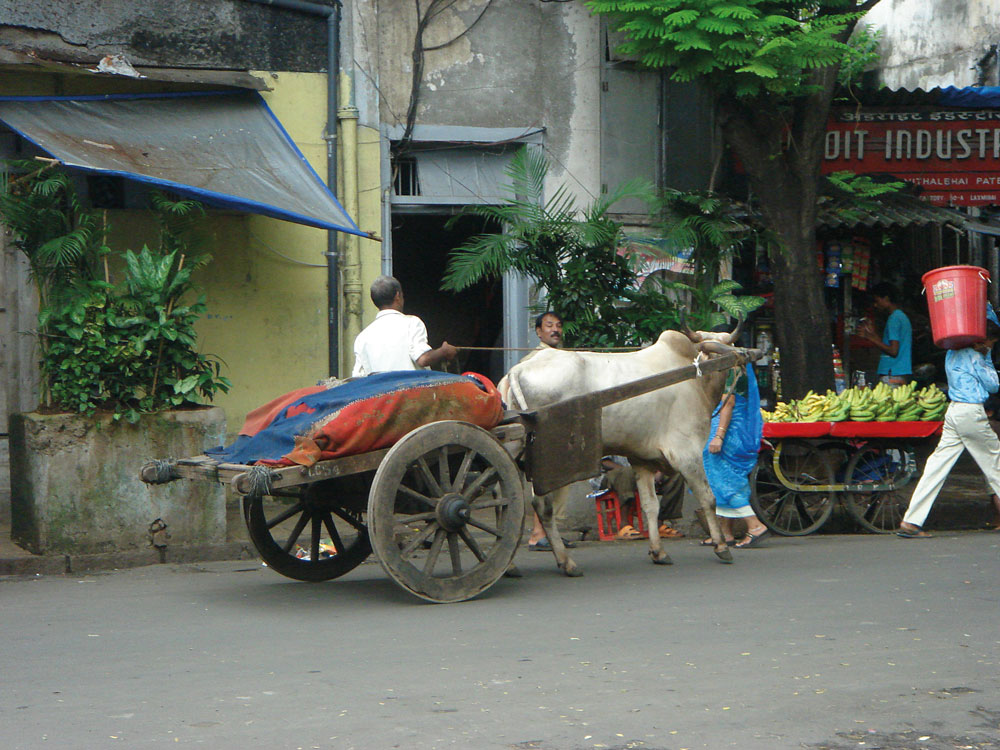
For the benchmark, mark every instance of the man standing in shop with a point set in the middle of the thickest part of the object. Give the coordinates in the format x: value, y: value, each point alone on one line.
x: 894, y: 366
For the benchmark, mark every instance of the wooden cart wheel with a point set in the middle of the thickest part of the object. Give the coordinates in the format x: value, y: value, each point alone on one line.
x: 445, y: 511
x: 784, y: 510
x: 879, y: 512
x: 309, y: 536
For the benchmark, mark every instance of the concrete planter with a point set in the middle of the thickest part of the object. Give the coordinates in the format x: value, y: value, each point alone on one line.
x: 75, y: 484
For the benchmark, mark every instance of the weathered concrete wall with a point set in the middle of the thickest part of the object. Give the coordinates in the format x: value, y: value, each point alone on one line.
x: 220, y: 34
x: 75, y: 484
x: 929, y: 43
x: 523, y: 64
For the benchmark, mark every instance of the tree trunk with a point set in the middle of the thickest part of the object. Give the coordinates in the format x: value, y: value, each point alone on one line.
x: 781, y: 150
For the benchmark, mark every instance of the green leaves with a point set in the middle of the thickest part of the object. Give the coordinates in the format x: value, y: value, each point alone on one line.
x: 748, y: 47
x: 129, y: 348
x: 569, y: 252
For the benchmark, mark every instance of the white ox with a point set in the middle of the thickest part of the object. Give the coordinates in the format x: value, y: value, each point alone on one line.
x: 665, y: 429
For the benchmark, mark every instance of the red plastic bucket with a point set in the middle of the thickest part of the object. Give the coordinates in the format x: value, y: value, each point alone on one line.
x: 956, y: 300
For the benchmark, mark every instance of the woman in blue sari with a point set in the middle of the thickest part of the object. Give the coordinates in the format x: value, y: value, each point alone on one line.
x: 731, y: 454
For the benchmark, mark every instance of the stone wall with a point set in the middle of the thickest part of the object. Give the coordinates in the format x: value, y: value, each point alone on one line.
x: 75, y: 484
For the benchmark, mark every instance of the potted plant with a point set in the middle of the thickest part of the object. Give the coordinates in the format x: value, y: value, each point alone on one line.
x: 121, y: 376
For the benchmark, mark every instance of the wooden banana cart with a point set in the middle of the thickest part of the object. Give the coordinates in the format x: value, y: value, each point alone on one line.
x: 805, y: 468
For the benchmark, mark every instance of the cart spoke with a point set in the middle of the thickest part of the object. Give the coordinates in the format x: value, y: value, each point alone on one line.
x: 332, y: 531
x: 435, y: 550
x: 472, y: 543
x: 485, y: 527
x: 425, y: 472
x: 443, y: 474
x: 493, y: 502
x: 473, y: 489
x: 456, y: 554
x: 416, y: 517
x: 350, y: 518
x: 293, y: 537
x: 463, y: 471
x: 285, y: 515
x: 317, y: 531
x: 418, y: 539
x: 418, y: 496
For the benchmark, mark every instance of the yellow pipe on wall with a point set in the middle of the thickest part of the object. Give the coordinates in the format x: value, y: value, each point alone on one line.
x: 347, y: 115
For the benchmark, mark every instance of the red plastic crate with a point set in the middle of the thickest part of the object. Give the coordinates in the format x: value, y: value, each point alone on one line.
x: 609, y: 516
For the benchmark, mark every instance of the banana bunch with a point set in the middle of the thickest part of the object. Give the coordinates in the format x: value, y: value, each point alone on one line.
x: 782, y: 413
x: 861, y: 404
x: 932, y: 403
x: 811, y: 407
x: 878, y: 404
x: 907, y: 407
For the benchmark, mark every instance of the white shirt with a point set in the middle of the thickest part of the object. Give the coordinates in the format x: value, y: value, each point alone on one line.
x: 393, y: 341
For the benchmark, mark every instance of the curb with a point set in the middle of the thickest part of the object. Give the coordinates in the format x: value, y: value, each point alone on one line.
x: 63, y: 564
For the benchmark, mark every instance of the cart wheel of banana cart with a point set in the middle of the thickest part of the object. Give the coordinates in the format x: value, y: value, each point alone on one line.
x: 445, y: 511
x: 313, y: 534
x: 879, y: 512
x: 787, y: 511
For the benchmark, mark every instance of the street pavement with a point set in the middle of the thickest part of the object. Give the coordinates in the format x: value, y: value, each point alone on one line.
x: 827, y: 641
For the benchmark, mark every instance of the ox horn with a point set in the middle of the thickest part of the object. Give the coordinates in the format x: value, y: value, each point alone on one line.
x: 715, y: 347
x: 735, y: 335
x: 693, y: 335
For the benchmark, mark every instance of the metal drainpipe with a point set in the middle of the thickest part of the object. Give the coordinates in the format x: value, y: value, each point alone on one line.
x: 347, y: 115
x: 332, y: 16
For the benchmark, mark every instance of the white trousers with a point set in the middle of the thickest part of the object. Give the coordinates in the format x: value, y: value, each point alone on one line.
x: 965, y: 427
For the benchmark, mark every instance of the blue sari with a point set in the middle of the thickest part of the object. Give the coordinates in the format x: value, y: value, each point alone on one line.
x: 728, y: 470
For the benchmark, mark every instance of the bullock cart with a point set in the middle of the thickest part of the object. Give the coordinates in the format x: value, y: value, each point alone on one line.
x: 442, y: 509
x: 806, y: 468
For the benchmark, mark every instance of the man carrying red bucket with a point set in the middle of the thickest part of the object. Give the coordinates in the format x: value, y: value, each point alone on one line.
x: 959, y: 322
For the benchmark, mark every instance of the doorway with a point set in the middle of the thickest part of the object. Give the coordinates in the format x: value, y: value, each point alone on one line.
x: 421, y: 247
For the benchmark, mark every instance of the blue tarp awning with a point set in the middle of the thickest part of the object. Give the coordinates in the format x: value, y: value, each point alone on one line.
x: 224, y: 148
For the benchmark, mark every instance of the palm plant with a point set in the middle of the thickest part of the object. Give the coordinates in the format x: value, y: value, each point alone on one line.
x: 62, y: 241
x: 708, y: 229
x: 570, y: 252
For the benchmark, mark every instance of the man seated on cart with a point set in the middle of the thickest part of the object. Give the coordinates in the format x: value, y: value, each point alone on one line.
x: 394, y: 341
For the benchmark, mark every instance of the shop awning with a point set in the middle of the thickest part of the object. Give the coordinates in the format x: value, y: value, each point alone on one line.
x: 224, y: 148
x: 890, y: 210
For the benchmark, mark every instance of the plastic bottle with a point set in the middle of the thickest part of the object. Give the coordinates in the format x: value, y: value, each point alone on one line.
x: 839, y: 378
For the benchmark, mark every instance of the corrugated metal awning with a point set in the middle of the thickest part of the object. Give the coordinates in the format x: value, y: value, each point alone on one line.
x: 891, y: 210
x: 224, y: 148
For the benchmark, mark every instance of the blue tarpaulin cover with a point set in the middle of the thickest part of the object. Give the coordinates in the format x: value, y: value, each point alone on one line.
x: 224, y: 148
x: 979, y: 96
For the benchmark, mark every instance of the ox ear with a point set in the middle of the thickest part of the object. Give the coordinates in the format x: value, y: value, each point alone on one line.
x: 735, y: 335
x: 695, y: 336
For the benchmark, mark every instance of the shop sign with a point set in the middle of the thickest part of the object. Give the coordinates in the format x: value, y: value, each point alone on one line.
x: 953, y: 155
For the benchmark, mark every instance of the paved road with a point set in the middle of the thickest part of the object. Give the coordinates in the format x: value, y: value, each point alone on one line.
x: 817, y: 642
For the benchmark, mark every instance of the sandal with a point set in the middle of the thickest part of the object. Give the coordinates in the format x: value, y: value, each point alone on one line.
x: 629, y: 532
x: 752, y: 540
x: 669, y: 532
x: 709, y: 543
x: 908, y: 531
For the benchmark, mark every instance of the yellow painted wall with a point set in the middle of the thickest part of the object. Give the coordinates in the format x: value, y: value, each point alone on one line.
x: 266, y: 287
x: 369, y: 218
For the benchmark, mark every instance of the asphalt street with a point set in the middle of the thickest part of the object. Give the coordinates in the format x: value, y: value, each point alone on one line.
x: 825, y: 641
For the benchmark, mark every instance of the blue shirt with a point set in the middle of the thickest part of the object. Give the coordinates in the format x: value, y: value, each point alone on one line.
x: 971, y: 376
x: 897, y: 328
